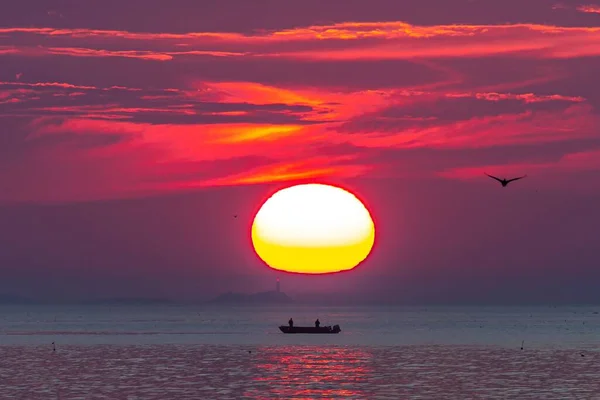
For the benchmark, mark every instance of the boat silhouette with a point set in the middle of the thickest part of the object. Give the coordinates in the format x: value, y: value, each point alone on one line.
x: 310, y: 329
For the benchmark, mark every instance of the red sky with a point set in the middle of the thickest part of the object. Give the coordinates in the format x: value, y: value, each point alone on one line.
x: 130, y: 135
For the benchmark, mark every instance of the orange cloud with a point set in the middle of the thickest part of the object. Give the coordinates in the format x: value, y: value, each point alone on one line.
x: 82, y: 52
x: 144, y: 150
x: 526, y: 97
x: 63, y: 85
x: 590, y: 8
x: 342, y: 30
x: 317, y: 167
x: 142, y: 138
x: 98, y: 33
x: 328, y: 105
x: 340, y: 41
x: 523, y: 128
x: 138, y: 54
x: 333, y: 109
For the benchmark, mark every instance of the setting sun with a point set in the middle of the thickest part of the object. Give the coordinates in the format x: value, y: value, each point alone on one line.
x: 313, y: 229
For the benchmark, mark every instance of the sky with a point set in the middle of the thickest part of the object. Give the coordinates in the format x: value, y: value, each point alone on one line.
x: 130, y: 136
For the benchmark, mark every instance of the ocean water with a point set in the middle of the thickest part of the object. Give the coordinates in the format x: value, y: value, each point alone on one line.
x: 208, y: 352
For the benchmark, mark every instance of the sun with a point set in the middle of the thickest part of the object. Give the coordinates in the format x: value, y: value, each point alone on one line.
x: 313, y: 229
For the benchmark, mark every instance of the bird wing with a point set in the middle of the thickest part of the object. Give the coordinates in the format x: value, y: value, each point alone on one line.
x: 516, y: 179
x: 493, y: 177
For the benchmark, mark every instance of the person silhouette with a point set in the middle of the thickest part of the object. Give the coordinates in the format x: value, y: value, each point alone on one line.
x: 291, y: 323
x: 317, y: 323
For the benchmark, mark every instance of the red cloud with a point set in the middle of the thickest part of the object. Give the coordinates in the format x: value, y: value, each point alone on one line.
x: 93, y: 137
x: 590, y: 8
x: 124, y: 137
x: 341, y: 41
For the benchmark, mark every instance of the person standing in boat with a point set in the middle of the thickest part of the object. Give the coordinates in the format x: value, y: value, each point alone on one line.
x: 317, y: 323
x: 291, y: 323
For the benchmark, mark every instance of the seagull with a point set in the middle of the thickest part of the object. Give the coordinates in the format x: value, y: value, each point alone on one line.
x: 505, y: 182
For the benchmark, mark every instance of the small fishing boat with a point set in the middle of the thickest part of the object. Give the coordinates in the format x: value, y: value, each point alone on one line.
x: 310, y: 329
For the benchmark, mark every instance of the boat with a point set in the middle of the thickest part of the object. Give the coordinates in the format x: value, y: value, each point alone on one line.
x: 310, y: 329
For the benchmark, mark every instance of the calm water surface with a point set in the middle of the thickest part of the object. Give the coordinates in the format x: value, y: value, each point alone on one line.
x: 195, y: 352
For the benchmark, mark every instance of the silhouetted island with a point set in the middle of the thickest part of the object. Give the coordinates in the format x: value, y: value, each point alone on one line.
x: 128, y: 301
x: 270, y: 297
x: 14, y: 299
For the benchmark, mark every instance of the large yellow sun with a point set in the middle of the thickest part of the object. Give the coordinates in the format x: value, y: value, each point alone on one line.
x: 313, y: 229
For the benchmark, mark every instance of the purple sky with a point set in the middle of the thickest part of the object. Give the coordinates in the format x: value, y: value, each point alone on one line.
x: 131, y: 135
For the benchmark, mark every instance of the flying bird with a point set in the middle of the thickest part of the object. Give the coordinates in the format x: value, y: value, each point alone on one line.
x: 505, y: 182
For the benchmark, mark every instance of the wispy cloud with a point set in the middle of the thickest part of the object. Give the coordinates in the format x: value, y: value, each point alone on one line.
x: 590, y: 8
x: 233, y: 121
x: 151, y: 110
x: 341, y: 41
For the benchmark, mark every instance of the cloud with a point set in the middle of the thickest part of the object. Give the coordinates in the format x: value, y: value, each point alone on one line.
x: 590, y: 8
x: 83, y: 52
x: 156, y: 106
x: 338, y: 41
x: 472, y: 120
x: 142, y: 110
x: 324, y: 133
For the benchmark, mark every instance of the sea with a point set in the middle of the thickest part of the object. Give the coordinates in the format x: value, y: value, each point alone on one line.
x: 209, y: 352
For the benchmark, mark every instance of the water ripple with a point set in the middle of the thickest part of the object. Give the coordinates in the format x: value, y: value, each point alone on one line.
x: 296, y: 372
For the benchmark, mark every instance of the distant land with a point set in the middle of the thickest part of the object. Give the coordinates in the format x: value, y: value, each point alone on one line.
x: 7, y: 299
x: 269, y: 297
x: 13, y: 299
x: 129, y: 301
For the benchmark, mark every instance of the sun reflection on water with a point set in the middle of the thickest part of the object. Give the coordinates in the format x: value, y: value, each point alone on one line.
x: 311, y: 372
